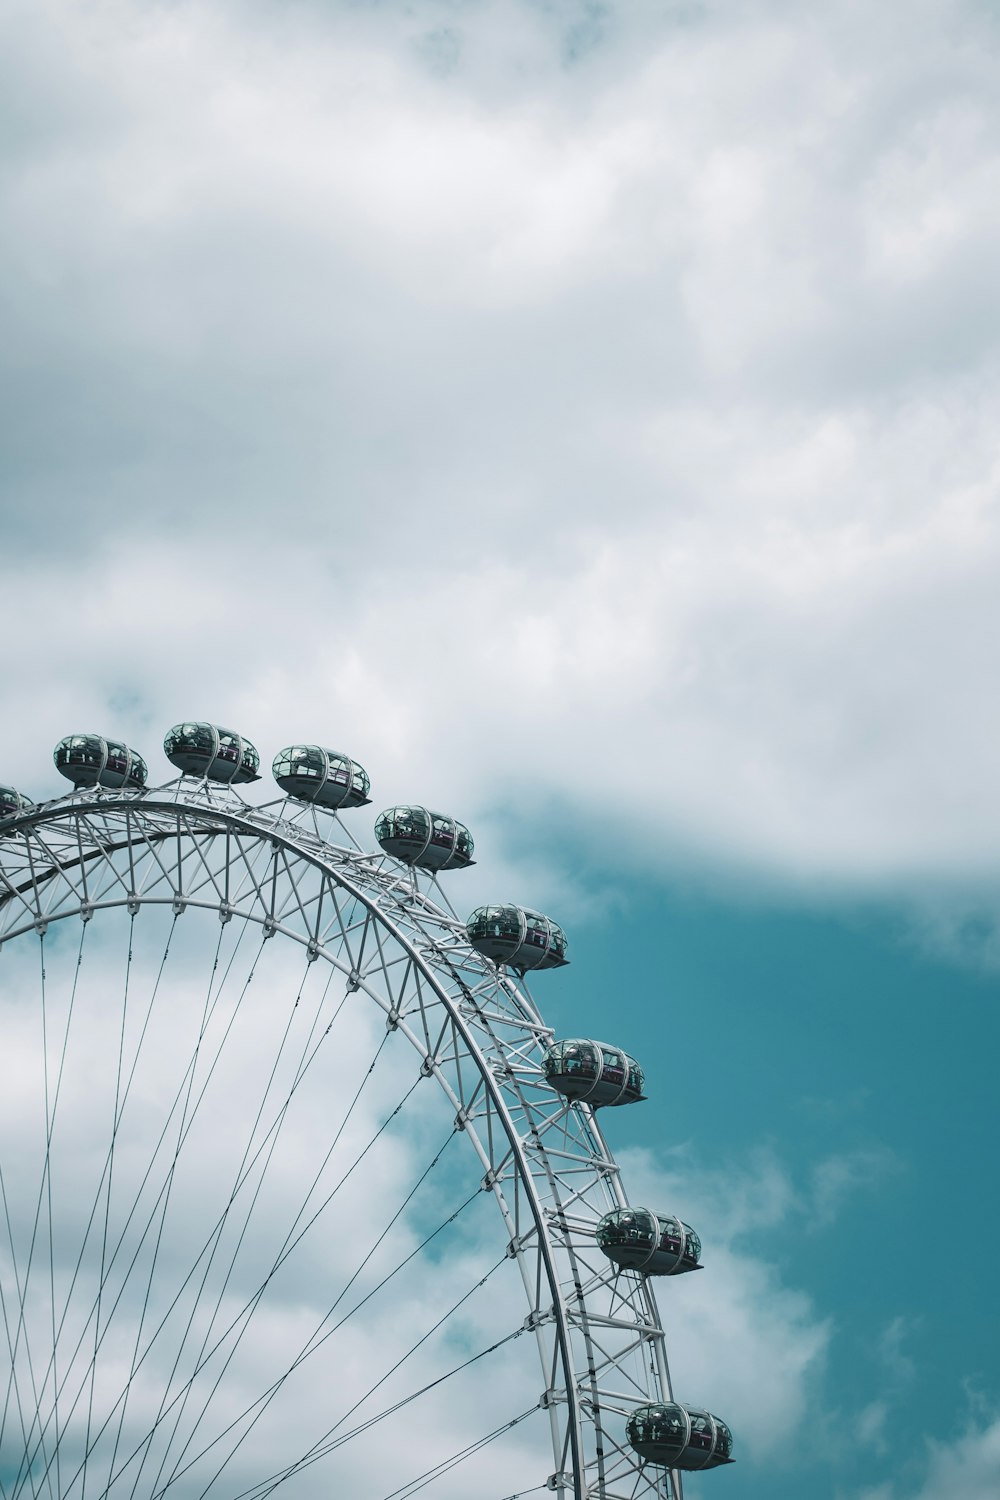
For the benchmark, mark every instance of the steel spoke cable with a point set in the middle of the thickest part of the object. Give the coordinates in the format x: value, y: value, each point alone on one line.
x: 181, y: 1137
x: 396, y: 1270
x: 288, y: 1245
x: 100, y: 1335
x: 389, y: 1226
x: 439, y: 1470
x: 22, y: 1287
x: 37, y: 1390
x: 6, y: 1322
x: 408, y: 1400
x: 107, y: 1204
x: 58, y: 1384
x: 287, y: 1248
x: 273, y: 1133
x: 48, y: 1180
x: 53, y: 1364
x: 307, y: 1457
x: 207, y: 1245
x: 369, y: 1422
x: 315, y: 1341
x: 306, y: 1059
x: 178, y: 1097
x: 181, y: 1098
x: 48, y: 1176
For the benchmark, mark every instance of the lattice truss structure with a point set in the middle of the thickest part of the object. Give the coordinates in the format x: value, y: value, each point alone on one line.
x: 394, y: 940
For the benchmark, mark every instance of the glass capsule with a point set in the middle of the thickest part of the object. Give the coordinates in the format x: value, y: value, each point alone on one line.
x: 311, y: 773
x: 430, y: 840
x: 206, y: 750
x: 593, y: 1072
x: 679, y: 1437
x: 13, y: 802
x: 91, y: 760
x: 516, y: 936
x: 655, y: 1244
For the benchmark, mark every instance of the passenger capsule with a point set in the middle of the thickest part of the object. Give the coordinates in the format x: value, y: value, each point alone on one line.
x: 656, y: 1244
x: 593, y: 1072
x: 516, y: 936
x: 679, y: 1437
x: 207, y: 750
x: 12, y: 802
x: 428, y: 839
x: 91, y: 760
x: 312, y: 774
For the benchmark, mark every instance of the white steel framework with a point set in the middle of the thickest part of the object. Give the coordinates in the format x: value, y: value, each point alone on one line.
x: 391, y: 936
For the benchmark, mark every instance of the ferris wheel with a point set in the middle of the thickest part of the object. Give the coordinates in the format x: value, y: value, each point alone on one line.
x: 253, y: 1242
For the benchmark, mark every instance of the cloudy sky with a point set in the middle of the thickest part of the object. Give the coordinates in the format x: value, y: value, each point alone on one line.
x: 585, y: 415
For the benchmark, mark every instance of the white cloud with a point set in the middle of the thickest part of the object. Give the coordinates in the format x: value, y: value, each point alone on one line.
x: 967, y: 1468
x: 871, y: 1424
x: 836, y: 1177
x: 624, y: 421
x: 900, y: 1367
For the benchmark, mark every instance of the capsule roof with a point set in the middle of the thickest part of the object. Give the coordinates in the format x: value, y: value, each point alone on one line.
x: 593, y: 1072
x: 517, y: 936
x: 13, y: 802
x: 207, y: 750
x: 431, y: 840
x: 312, y: 773
x: 679, y: 1437
x: 91, y: 760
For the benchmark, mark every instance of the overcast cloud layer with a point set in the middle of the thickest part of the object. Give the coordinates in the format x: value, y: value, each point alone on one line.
x: 587, y: 416
x: 498, y: 375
